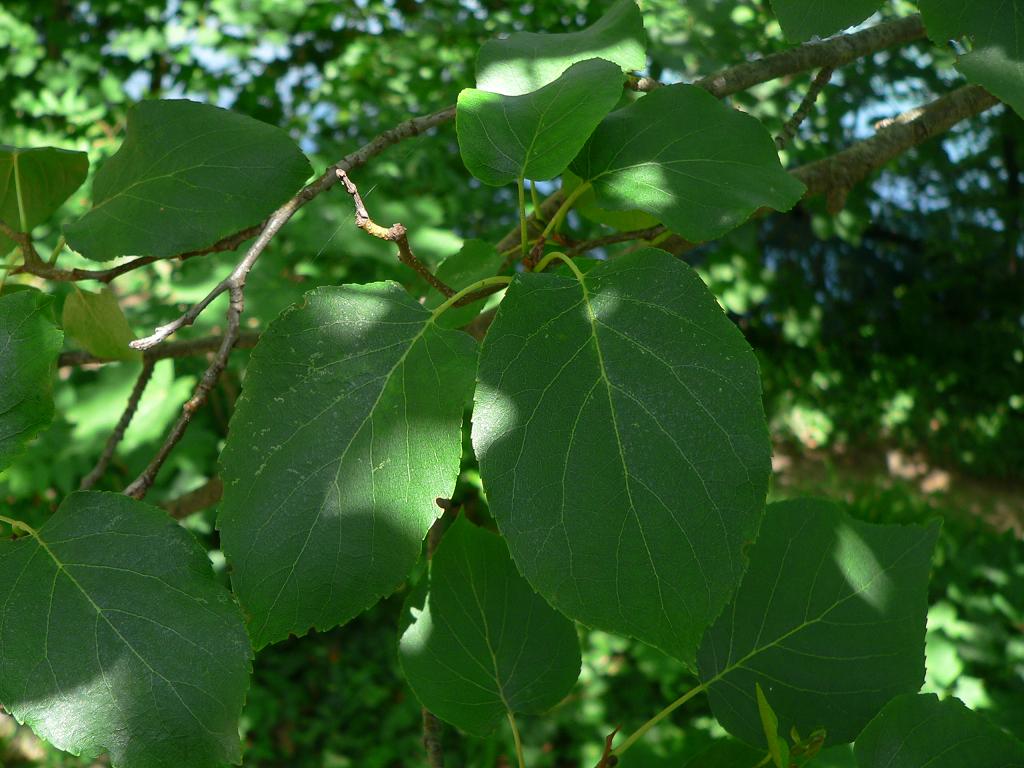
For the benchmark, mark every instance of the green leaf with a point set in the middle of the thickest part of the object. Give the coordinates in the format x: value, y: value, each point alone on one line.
x: 829, y: 620
x: 623, y: 445
x: 96, y: 321
x: 535, y: 136
x: 777, y: 747
x: 803, y: 19
x: 348, y: 428
x: 115, y: 636
x: 526, y: 61
x: 34, y: 183
x: 475, y: 261
x: 481, y: 643
x: 996, y: 60
x: 678, y: 153
x: 186, y: 176
x: 920, y: 730
x: 726, y: 754
x: 29, y: 345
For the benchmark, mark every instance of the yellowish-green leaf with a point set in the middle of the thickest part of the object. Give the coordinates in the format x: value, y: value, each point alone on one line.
x: 95, y: 321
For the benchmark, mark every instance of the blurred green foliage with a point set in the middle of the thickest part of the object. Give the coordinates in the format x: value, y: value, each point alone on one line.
x: 893, y: 327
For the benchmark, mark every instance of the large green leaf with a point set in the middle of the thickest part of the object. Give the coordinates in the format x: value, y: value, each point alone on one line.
x: 186, y: 176
x: 623, y: 445
x: 96, y: 321
x: 34, y: 183
x: 348, y: 429
x: 535, y: 136
x: 678, y: 153
x: 480, y: 643
x: 115, y: 636
x: 829, y: 621
x: 29, y: 344
x: 803, y: 19
x: 526, y: 61
x: 920, y: 730
x: 475, y: 261
x: 996, y: 31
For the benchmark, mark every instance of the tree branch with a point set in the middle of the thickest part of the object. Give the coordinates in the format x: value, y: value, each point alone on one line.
x: 169, y: 349
x: 122, y: 425
x: 396, y: 234
x: 806, y: 105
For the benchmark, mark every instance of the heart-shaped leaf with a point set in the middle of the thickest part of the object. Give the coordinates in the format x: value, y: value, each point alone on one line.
x: 829, y: 621
x: 526, y: 61
x: 994, y: 27
x: 623, y: 445
x: 536, y: 135
x: 920, y: 730
x: 186, y: 176
x: 803, y: 19
x: 480, y: 643
x: 700, y: 167
x: 29, y: 345
x: 115, y: 636
x: 34, y: 183
x: 348, y: 429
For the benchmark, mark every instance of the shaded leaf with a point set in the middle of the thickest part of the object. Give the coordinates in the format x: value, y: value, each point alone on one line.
x: 777, y: 747
x: 586, y: 205
x: 526, y: 61
x: 96, y: 321
x: 34, y: 183
x: 829, y: 620
x: 994, y: 27
x: 29, y: 345
x: 920, y: 730
x: 803, y: 19
x: 186, y: 176
x: 623, y: 445
x: 681, y: 155
x: 480, y: 642
x: 115, y: 636
x: 535, y: 136
x: 348, y: 428
x: 726, y: 754
x: 475, y: 261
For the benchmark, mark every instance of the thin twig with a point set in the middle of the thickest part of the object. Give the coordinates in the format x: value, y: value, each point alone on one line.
x: 203, y: 497
x: 619, y: 237
x: 49, y: 272
x: 806, y: 105
x: 122, y: 425
x: 396, y: 234
x: 169, y: 349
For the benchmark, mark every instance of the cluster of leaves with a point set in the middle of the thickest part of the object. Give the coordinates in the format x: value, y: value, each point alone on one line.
x: 616, y: 416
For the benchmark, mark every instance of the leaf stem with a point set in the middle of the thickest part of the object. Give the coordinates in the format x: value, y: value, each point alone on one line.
x: 56, y: 251
x: 535, y: 200
x: 524, y: 245
x: 563, y: 209
x: 764, y: 760
x: 16, y: 524
x: 543, y: 264
x: 517, y: 738
x: 487, y: 282
x: 639, y: 732
x: 22, y: 216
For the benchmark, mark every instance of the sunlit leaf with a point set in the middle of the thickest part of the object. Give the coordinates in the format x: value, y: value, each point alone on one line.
x: 829, y: 621
x: 623, y: 445
x: 678, y: 153
x: 536, y: 135
x: 96, y: 321
x: 920, y: 730
x: 115, y: 636
x: 526, y: 61
x: 186, y: 176
x: 347, y: 430
x: 480, y: 642
x: 29, y: 344
x: 34, y: 183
